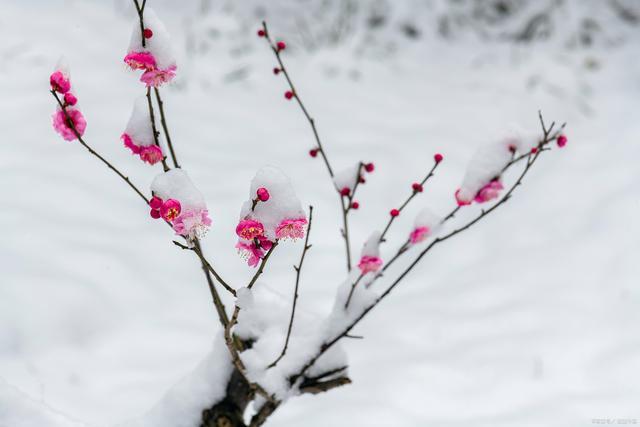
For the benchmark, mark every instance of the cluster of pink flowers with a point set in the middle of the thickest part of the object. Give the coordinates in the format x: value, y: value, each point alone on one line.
x: 370, y: 264
x: 254, y: 243
x: 68, y: 117
x: 487, y: 193
x: 153, y: 76
x: 187, y: 223
x: 151, y: 154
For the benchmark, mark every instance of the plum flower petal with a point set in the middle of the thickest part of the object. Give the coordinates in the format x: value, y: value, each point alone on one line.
x: 489, y: 191
x: 170, y: 209
x: 192, y: 224
x: 158, y: 77
x: 460, y: 200
x: 59, y: 82
x: 369, y: 264
x: 151, y: 154
x: 128, y: 142
x: 419, y: 234
x: 63, y: 126
x: 250, y: 252
x: 249, y: 229
x: 140, y: 61
x: 291, y: 229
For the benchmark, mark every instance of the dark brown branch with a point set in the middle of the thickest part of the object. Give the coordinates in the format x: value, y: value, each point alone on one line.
x: 353, y: 288
x: 265, y: 411
x: 153, y: 127
x: 296, y: 95
x: 198, y: 251
x: 217, y: 301
x: 323, y: 386
x: 298, y: 269
x: 140, y: 11
x: 94, y: 153
x: 163, y: 121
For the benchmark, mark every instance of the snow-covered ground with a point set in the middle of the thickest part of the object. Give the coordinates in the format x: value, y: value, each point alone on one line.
x: 530, y: 319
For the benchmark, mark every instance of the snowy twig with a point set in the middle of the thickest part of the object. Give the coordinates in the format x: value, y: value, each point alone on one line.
x: 531, y: 158
x: 353, y: 288
x: 406, y: 202
x: 232, y: 344
x: 298, y: 269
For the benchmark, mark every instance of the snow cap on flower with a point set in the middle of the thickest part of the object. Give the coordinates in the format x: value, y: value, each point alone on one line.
x: 156, y: 56
x: 370, y: 260
x: 283, y: 203
x: 193, y: 220
x: 138, y: 135
x: 486, y: 165
x: 425, y: 224
x: 347, y: 178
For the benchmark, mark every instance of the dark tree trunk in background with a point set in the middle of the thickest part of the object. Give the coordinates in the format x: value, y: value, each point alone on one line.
x: 229, y: 411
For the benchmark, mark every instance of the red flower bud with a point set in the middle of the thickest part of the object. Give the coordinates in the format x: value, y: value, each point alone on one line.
x: 438, y: 158
x: 313, y: 152
x: 276, y: 71
x: 361, y: 179
x: 417, y: 187
x: 534, y: 150
x: 155, y: 202
x: 345, y: 191
x: 288, y: 94
x: 261, y: 33
x: 281, y: 45
x: 155, y: 213
x: 263, y: 194
x: 369, y: 167
x: 561, y: 141
x: 355, y: 205
x: 394, y: 212
x: 147, y: 33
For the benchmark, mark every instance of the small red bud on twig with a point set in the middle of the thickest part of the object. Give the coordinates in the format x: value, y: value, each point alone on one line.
x: 438, y: 158
x: 534, y: 150
x: 369, y: 167
x: 281, y: 45
x: 394, y: 212
x: 313, y: 152
x: 561, y: 141
x: 147, y: 33
x: 263, y: 194
x: 345, y: 191
x: 288, y: 94
x: 276, y: 71
x: 261, y: 33
x: 417, y: 187
x: 361, y: 179
x: 355, y: 205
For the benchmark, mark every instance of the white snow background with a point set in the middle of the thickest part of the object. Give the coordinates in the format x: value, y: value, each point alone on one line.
x: 530, y: 319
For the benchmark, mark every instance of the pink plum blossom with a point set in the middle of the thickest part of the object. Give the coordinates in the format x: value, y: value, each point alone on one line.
x: 59, y: 82
x: 170, y: 209
x: 192, y: 223
x: 157, y: 77
x: 369, y: 264
x: 254, y: 250
x: 249, y: 229
x: 70, y: 99
x: 64, y: 128
x: 151, y: 154
x: 140, y: 61
x: 128, y: 142
x: 291, y: 228
x: 419, y: 234
x: 489, y: 191
x: 460, y: 200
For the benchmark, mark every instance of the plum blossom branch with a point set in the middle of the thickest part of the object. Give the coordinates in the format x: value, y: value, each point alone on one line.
x: 198, y: 251
x: 293, y: 93
x: 163, y: 121
x: 531, y: 159
x: 298, y: 269
x: 72, y: 126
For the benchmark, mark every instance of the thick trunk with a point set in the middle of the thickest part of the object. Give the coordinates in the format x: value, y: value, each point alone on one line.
x: 229, y: 411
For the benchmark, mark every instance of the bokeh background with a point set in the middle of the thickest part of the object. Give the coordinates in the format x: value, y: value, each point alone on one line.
x: 532, y: 318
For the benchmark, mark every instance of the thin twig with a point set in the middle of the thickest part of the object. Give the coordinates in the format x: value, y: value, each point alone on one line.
x: 406, y: 202
x: 298, y: 269
x: 198, y: 250
x: 153, y: 127
x: 353, y: 288
x: 163, y: 121
x: 93, y: 152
